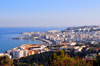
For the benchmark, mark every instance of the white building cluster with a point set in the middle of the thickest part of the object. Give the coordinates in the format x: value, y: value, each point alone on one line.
x: 18, y: 52
x: 72, y: 34
x: 25, y: 50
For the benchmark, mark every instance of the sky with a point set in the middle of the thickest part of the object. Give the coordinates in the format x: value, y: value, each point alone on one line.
x: 49, y: 13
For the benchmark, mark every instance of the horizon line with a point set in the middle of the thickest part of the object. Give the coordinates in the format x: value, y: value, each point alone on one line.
x: 48, y: 26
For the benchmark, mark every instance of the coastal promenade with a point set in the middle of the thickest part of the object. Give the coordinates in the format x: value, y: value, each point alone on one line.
x: 47, y: 42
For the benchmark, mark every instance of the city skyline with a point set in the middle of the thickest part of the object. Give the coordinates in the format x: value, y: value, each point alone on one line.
x: 49, y: 13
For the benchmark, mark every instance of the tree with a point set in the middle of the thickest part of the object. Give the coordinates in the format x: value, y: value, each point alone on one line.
x: 40, y: 65
x: 60, y: 53
x: 34, y: 64
x: 61, y: 59
x: 6, y: 61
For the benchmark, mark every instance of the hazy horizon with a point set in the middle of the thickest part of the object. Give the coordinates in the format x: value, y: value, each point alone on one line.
x: 49, y: 13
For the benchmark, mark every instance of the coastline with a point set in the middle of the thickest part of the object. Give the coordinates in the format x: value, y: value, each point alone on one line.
x: 45, y: 41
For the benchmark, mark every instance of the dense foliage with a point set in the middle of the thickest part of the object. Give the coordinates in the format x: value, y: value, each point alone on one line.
x: 61, y: 59
x: 5, y: 61
x: 41, y: 58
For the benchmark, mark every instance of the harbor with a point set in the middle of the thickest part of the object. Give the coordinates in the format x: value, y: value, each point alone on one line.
x: 47, y: 42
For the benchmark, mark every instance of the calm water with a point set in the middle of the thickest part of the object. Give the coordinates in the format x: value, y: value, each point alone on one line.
x: 6, y: 35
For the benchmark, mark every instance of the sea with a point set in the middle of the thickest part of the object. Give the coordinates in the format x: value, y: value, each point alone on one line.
x: 7, y: 33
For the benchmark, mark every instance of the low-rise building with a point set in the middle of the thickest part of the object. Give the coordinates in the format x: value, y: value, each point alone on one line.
x: 72, y: 43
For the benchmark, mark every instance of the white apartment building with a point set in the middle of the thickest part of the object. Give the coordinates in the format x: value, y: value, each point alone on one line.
x: 17, y: 53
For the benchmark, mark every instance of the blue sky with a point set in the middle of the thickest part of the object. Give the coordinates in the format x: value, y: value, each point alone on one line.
x: 39, y: 13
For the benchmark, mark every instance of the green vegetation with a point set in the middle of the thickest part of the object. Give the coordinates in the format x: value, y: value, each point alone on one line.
x: 37, y: 59
x: 61, y: 59
x: 5, y: 61
x: 51, y: 58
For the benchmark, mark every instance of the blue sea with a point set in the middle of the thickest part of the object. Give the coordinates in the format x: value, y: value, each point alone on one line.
x: 7, y: 33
